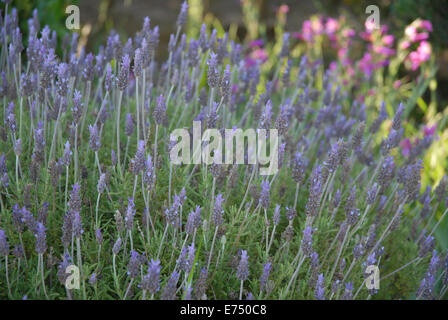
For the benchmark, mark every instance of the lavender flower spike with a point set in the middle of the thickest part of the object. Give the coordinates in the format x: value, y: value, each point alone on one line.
x: 4, y: 246
x: 242, y: 272
x: 218, y: 211
x: 94, y: 142
x: 151, y: 281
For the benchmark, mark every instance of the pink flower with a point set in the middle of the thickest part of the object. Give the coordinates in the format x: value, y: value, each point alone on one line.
x: 429, y: 131
x: 424, y: 50
x: 317, y: 26
x: 333, y: 38
x: 259, y: 54
x: 406, y: 146
x: 342, y: 52
x: 421, y: 36
x: 365, y: 64
x: 370, y: 25
x: 382, y: 63
x: 410, y: 32
x: 404, y: 45
x: 384, y: 50
x: 331, y: 26
x: 397, y: 84
x: 307, y: 31
x: 347, y: 62
x: 422, y: 54
x: 366, y: 36
x: 349, y: 33
x: 350, y: 72
x: 283, y: 9
x: 425, y: 24
x: 388, y: 40
x: 333, y: 65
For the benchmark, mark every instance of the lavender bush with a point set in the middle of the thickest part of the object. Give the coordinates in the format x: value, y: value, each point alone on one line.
x: 86, y: 178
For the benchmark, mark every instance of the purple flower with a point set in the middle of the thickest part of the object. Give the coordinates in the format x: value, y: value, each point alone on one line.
x: 212, y: 73
x: 18, y: 147
x: 99, y: 236
x: 138, y: 162
x: 426, y: 245
x: 160, y: 110
x: 63, y: 79
x: 319, y: 293
x: 315, y: 189
x: 138, y: 62
x: 285, y: 46
x: 4, y: 246
x: 109, y: 79
x: 41, y: 242
x: 87, y: 71
x: 39, y: 138
x: 276, y: 216
x: 358, y: 251
x: 67, y: 226
x: 172, y: 213
x: 93, y: 279
x: 266, y: 118
x: 151, y: 281
x: 130, y: 213
x: 77, y: 225
x: 10, y: 119
x: 62, y: 267
x: 242, y: 272
x: 307, y: 241
x: 264, y: 194
x: 74, y: 204
x: 183, y: 15
x: 396, y: 121
x: 348, y: 292
x: 129, y: 130
x: 169, y: 292
x: 134, y: 265
x: 191, y: 257
x: 218, y: 211
x: 149, y: 174
x: 67, y: 157
x: 17, y: 218
x: 123, y: 76
x: 193, y: 220
x: 94, y: 142
x: 113, y: 157
x: 77, y: 107
x: 117, y: 246
x: 4, y: 179
x: 101, y: 183
x: 265, y: 275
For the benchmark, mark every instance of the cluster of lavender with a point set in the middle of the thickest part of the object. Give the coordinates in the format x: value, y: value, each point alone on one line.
x: 86, y: 181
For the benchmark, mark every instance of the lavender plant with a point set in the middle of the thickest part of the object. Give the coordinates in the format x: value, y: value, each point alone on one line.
x: 345, y: 197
